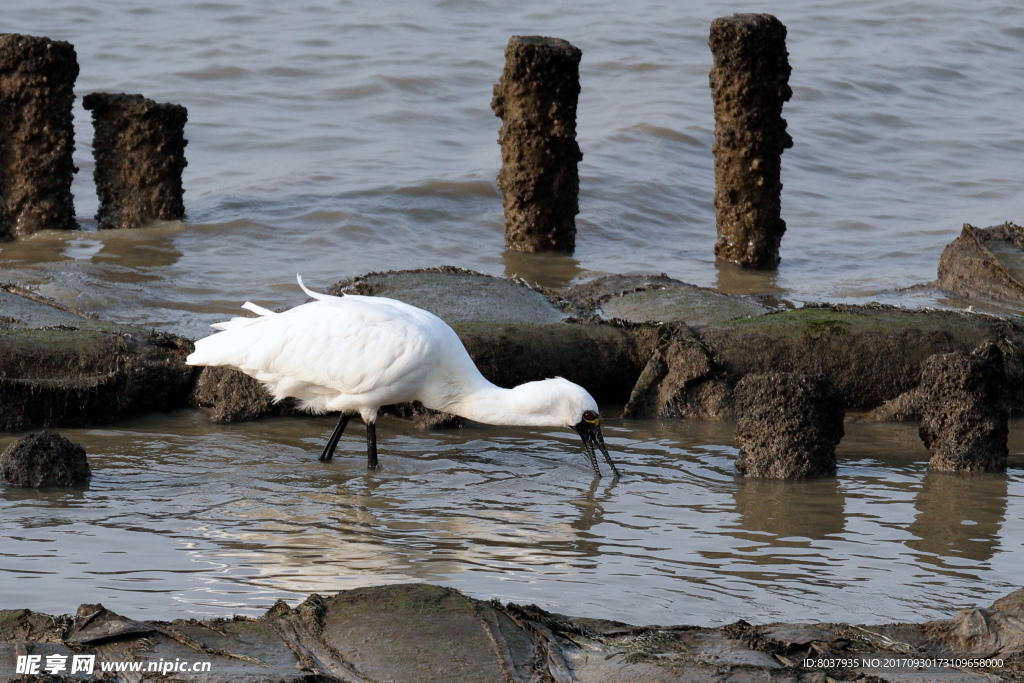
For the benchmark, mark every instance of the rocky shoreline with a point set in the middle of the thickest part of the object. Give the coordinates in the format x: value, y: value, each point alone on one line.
x: 645, y: 345
x: 426, y: 633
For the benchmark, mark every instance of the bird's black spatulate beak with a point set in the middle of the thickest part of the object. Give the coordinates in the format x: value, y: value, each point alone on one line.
x: 590, y: 432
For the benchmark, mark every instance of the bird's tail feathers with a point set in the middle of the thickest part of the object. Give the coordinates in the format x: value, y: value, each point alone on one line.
x: 310, y: 292
x: 258, y: 310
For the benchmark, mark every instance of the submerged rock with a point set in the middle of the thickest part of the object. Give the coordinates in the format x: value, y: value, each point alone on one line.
x: 425, y: 633
x: 985, y: 262
x: 964, y: 420
x: 788, y: 425
x: 44, y: 459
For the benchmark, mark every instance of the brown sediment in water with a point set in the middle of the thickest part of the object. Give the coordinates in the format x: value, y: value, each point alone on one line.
x: 426, y: 633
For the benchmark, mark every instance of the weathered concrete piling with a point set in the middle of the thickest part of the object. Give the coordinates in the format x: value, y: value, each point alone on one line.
x: 749, y: 84
x: 539, y: 179
x: 964, y: 419
x: 139, y: 147
x: 788, y: 425
x: 37, y: 138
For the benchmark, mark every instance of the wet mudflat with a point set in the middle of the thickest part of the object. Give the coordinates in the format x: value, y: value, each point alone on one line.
x: 183, y: 518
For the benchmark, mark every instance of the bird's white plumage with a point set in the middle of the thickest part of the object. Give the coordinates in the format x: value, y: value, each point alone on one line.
x: 358, y: 353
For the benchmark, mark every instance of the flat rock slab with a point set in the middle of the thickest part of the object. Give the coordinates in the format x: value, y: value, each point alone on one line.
x: 59, y: 368
x: 425, y: 633
x: 659, y: 298
x: 20, y: 309
x: 454, y: 294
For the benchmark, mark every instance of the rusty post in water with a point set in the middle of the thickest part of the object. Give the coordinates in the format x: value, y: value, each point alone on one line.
x: 37, y: 137
x: 139, y: 147
x: 749, y: 84
x: 540, y: 183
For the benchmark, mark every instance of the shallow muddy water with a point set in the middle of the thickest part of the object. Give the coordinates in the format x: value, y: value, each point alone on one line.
x: 183, y: 518
x: 339, y: 138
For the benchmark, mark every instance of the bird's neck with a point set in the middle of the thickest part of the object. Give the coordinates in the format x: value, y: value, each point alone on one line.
x: 490, y: 404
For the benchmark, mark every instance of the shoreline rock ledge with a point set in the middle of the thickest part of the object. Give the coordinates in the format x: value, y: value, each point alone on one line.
x: 425, y: 634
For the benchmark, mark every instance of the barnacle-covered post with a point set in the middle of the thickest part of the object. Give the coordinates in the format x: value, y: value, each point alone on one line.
x: 37, y: 136
x: 539, y: 179
x: 749, y: 84
x: 139, y: 147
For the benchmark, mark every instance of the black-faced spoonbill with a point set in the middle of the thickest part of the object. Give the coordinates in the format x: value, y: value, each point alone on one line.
x: 354, y: 354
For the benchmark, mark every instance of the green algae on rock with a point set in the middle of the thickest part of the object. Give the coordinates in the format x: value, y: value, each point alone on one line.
x: 73, y: 370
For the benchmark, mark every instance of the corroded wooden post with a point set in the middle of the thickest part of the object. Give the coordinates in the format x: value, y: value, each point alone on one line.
x: 139, y: 147
x: 536, y: 101
x: 749, y: 84
x: 37, y: 137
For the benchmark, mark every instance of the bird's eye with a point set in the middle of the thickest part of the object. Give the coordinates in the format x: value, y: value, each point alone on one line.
x: 590, y: 416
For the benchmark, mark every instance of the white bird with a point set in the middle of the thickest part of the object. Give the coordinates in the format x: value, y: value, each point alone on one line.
x: 354, y: 354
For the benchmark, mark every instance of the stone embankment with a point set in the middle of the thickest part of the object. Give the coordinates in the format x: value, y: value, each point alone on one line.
x: 645, y: 347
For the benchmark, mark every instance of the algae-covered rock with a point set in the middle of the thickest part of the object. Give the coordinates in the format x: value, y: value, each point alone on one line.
x: 44, y: 459
x: 425, y: 633
x: 659, y: 298
x: 875, y: 353
x: 985, y: 262
x: 602, y: 358
x: 62, y: 369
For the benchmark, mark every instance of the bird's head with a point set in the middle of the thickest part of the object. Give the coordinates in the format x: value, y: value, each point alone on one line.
x: 573, y: 406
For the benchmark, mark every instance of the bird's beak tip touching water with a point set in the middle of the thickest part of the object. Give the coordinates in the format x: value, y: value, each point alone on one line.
x: 590, y: 432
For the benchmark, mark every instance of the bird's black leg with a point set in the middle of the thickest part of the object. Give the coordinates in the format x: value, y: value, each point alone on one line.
x: 371, y: 445
x: 332, y: 442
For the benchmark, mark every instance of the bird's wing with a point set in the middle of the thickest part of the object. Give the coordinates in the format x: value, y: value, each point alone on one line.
x: 349, y: 345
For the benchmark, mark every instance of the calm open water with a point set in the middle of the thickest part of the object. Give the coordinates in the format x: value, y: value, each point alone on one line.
x: 333, y: 139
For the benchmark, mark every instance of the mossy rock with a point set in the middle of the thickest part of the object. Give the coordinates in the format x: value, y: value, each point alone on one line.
x: 875, y: 353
